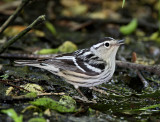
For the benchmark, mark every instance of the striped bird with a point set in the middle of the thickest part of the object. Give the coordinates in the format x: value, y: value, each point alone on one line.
x: 83, y: 68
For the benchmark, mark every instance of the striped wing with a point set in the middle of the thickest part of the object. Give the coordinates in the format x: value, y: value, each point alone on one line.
x: 82, y: 61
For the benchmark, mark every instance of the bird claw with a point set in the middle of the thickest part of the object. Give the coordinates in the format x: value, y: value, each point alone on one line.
x: 99, y: 90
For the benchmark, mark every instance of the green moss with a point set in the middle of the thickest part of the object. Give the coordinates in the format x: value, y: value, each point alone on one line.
x: 66, y: 104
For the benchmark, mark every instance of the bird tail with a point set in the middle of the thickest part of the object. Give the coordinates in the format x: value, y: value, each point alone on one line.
x: 34, y: 63
x: 37, y: 63
x: 26, y: 62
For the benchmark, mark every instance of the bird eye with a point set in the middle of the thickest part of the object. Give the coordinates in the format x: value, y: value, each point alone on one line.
x: 106, y: 44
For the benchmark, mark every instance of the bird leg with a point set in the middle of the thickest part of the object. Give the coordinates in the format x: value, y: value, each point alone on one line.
x: 84, y: 97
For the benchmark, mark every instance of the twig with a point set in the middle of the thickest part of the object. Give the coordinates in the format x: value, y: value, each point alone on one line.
x: 80, y: 26
x: 38, y: 95
x: 153, y: 69
x: 5, y: 7
x: 143, y: 80
x: 81, y: 111
x: 14, y: 15
x: 9, y: 99
x: 112, y: 91
x: 141, y: 22
x: 40, y: 19
x: 49, y: 94
x: 99, y: 90
x: 25, y: 56
x: 17, y: 87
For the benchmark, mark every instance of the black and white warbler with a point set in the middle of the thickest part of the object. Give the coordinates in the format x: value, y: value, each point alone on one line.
x: 83, y: 68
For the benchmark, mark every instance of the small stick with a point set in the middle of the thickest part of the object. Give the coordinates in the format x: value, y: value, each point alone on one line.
x: 49, y: 94
x: 153, y: 69
x: 112, y: 91
x: 26, y: 56
x: 17, y: 87
x: 99, y: 90
x: 14, y: 15
x: 24, y: 98
x: 38, y: 95
x: 145, y: 83
x: 141, y: 22
x: 40, y: 19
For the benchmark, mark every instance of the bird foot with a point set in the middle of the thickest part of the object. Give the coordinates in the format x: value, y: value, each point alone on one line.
x: 99, y: 90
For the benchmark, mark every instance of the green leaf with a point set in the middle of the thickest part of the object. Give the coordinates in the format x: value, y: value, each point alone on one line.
x: 47, y: 51
x: 32, y: 108
x: 65, y: 104
x: 68, y: 102
x: 4, y: 77
x: 51, y: 28
x: 32, y: 87
x: 37, y: 120
x: 150, y: 107
x: 67, y: 47
x: 155, y: 37
x: 123, y: 3
x: 131, y: 27
x: 134, y: 111
x: 31, y: 95
x: 11, y: 113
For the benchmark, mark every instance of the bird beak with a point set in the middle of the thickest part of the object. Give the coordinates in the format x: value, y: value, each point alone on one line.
x: 120, y: 42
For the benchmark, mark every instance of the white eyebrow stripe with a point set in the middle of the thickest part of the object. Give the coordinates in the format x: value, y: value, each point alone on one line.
x: 92, y: 68
x: 73, y: 59
x: 97, y: 45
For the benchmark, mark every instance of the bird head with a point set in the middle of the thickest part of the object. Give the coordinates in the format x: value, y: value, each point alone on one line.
x: 106, y: 48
